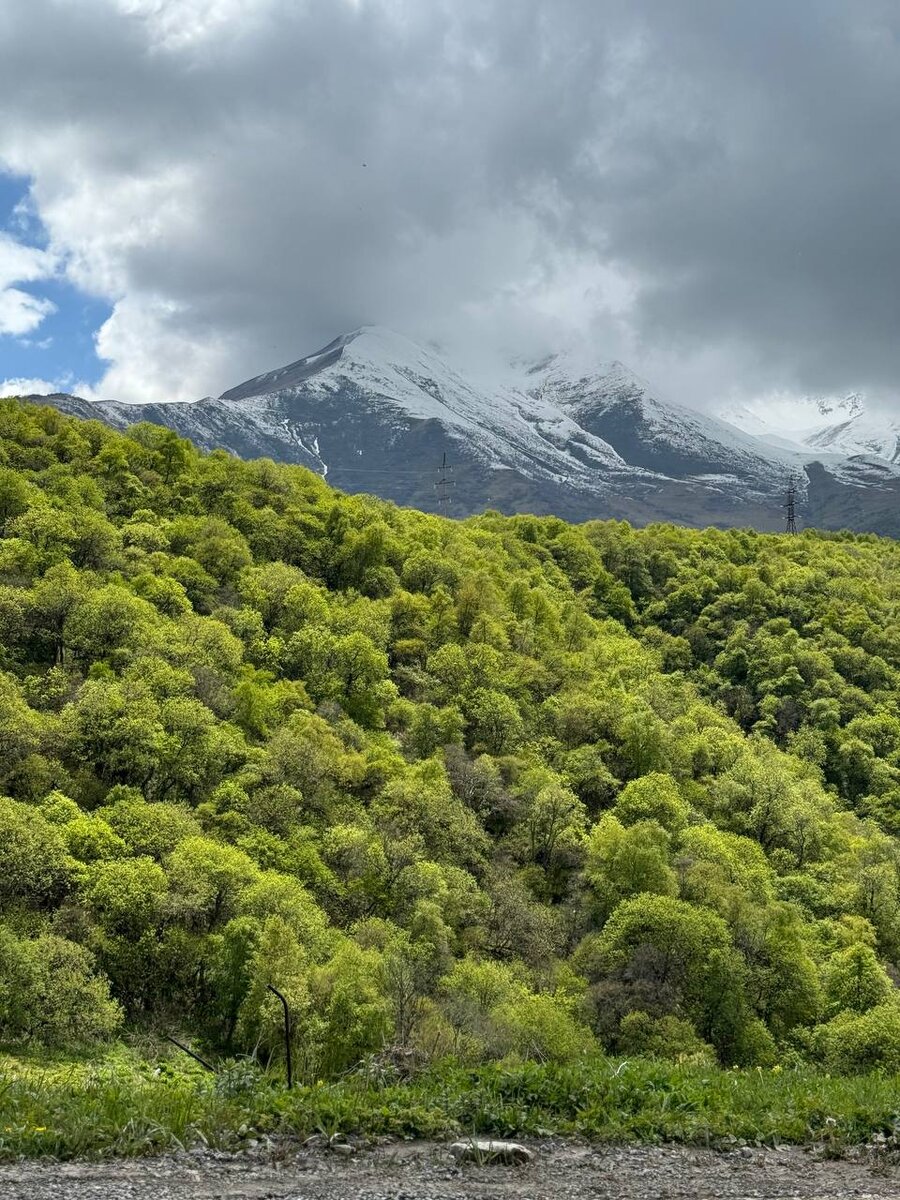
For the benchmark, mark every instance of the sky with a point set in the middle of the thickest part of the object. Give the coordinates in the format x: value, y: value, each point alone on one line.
x: 196, y: 191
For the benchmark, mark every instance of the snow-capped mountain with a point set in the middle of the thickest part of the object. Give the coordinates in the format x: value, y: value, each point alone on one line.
x: 793, y: 419
x: 864, y: 433
x: 662, y: 437
x: 398, y: 381
x: 376, y: 412
x: 843, y: 427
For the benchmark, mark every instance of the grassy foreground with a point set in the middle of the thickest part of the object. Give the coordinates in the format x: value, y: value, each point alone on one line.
x: 125, y: 1106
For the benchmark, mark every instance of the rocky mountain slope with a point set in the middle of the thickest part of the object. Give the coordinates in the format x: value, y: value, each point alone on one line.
x: 376, y: 412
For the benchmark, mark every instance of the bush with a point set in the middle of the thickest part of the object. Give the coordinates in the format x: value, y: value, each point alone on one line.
x: 855, y: 981
x: 495, y: 1013
x: 50, y: 994
x: 539, y: 1026
x: 663, y: 1037
x: 653, y: 797
x: 33, y: 859
x: 854, y: 1043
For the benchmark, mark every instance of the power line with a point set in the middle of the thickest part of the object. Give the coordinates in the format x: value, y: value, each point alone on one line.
x: 421, y: 473
x: 333, y: 470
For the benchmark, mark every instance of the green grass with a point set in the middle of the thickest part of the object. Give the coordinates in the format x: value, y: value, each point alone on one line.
x: 125, y: 1106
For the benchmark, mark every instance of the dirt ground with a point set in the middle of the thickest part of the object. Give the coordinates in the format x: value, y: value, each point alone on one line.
x: 421, y: 1171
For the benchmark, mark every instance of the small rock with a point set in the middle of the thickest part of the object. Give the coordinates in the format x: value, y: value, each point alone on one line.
x: 486, y: 1150
x: 343, y: 1149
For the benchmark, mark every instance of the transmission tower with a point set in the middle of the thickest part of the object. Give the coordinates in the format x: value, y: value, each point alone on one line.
x: 790, y: 508
x: 443, y: 486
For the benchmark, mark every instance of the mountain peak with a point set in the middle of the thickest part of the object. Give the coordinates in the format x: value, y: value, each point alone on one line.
x: 379, y: 344
x: 572, y: 367
x: 369, y: 344
x: 568, y: 432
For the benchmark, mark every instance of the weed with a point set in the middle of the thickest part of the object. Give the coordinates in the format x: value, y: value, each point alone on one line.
x: 130, y: 1106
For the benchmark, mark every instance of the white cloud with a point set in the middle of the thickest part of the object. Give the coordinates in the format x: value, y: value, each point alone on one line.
x: 48, y: 387
x: 23, y: 264
x: 29, y: 387
x: 20, y: 312
x: 705, y: 191
x: 154, y: 354
x: 181, y: 24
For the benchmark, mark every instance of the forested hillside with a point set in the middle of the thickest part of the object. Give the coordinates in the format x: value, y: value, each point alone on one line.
x: 499, y: 787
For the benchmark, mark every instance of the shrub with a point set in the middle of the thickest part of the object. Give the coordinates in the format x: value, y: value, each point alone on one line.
x: 855, y: 981
x: 856, y: 1043
x: 662, y: 1037
x: 49, y: 992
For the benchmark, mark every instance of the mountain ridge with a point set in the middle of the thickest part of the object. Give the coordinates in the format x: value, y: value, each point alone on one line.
x: 375, y: 411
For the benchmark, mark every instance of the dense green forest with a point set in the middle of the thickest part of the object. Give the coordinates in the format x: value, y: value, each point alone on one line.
x: 500, y: 787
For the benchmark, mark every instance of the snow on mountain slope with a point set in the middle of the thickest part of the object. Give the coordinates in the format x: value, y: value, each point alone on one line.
x: 376, y: 412
x: 558, y: 419
x: 864, y: 434
x: 613, y: 403
x: 849, y: 428
x: 402, y: 380
x: 787, y: 416
x: 858, y: 446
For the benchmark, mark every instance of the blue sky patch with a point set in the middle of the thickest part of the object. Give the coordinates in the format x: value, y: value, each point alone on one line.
x: 62, y: 347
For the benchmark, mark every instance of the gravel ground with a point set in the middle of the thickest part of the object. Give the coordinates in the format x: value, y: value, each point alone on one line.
x: 420, y: 1171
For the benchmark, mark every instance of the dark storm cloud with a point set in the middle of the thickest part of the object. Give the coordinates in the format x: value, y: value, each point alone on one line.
x: 778, y: 229
x: 692, y: 181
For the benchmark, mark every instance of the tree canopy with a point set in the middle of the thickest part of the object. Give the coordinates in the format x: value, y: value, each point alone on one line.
x: 504, y: 786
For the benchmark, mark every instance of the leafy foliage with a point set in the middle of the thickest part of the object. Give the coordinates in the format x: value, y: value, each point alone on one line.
x: 499, y: 788
x: 119, y: 1104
